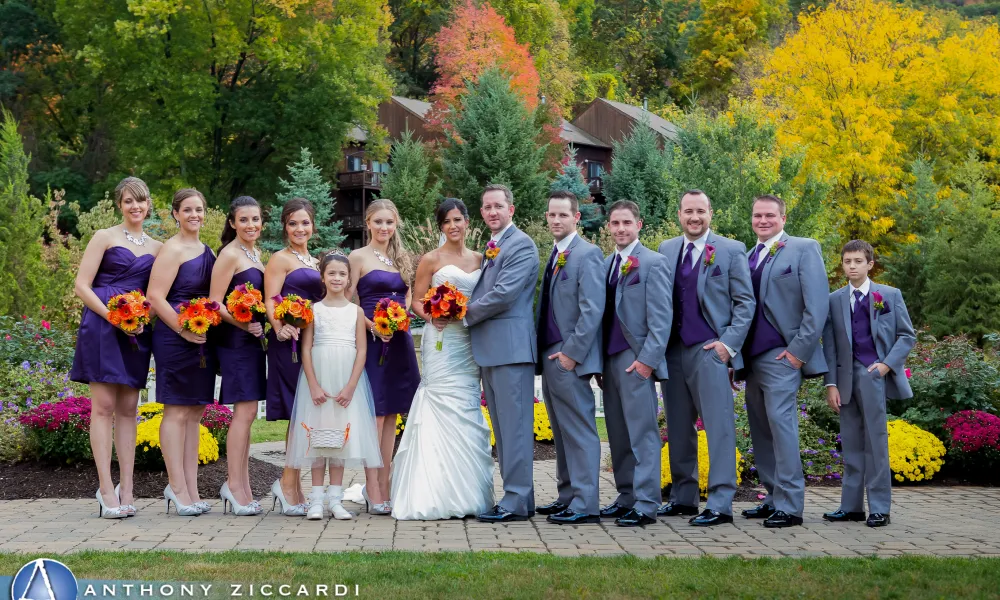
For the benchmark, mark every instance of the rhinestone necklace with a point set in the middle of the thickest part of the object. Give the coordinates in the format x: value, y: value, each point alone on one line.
x: 254, y: 257
x: 306, y: 260
x: 140, y: 241
x: 382, y: 258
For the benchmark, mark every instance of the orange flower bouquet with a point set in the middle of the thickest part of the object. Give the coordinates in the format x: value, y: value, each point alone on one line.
x: 445, y: 302
x: 129, y: 312
x: 246, y: 304
x: 197, y: 316
x: 389, y: 317
x: 297, y: 312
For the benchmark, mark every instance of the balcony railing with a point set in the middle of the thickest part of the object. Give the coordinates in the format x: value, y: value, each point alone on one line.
x: 594, y: 183
x: 359, y: 179
x: 352, y: 222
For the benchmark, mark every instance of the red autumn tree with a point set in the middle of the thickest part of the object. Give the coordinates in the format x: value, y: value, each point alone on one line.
x: 478, y: 39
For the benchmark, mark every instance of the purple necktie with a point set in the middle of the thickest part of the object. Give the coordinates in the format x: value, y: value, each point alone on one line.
x: 614, y: 270
x: 857, y: 299
x: 756, y: 256
x: 688, y: 263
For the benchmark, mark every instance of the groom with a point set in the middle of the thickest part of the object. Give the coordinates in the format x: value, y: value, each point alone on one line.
x: 501, y: 324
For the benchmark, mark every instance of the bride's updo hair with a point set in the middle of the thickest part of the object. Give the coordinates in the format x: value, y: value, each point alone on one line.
x: 448, y: 205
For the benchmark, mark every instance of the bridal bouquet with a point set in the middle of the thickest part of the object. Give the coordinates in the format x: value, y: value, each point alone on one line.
x: 297, y: 312
x: 129, y: 312
x: 445, y: 302
x: 389, y: 317
x: 197, y: 316
x: 246, y: 304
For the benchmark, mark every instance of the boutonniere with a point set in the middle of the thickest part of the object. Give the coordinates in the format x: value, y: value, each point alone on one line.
x: 492, y: 251
x: 628, y: 266
x: 878, y: 302
x: 560, y: 261
x: 709, y: 255
x: 776, y: 246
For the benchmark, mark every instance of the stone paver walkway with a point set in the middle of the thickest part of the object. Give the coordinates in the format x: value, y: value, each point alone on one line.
x: 954, y: 521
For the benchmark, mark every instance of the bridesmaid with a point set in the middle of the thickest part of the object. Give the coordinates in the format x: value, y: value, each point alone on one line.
x: 383, y: 269
x: 238, y: 345
x: 182, y: 272
x: 289, y: 271
x: 117, y: 260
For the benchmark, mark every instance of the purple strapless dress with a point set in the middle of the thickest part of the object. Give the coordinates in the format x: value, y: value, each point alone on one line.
x: 241, y: 356
x: 104, y: 353
x: 395, y: 381
x: 282, y: 373
x: 179, y: 378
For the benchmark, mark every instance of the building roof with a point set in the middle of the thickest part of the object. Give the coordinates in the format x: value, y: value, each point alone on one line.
x: 657, y: 123
x: 571, y: 134
x: 417, y: 107
x: 356, y: 134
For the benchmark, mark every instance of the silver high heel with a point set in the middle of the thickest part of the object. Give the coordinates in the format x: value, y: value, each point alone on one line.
x: 287, y: 509
x: 203, y: 506
x: 183, y: 510
x: 375, y: 509
x: 129, y: 508
x: 239, y: 510
x: 117, y: 512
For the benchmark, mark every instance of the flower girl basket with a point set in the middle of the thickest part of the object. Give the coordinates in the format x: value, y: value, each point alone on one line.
x: 327, y: 435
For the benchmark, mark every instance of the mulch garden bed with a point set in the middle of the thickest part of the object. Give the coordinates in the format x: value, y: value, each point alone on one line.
x: 29, y: 480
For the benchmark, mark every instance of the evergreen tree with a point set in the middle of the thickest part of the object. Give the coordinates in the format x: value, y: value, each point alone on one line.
x: 306, y: 182
x: 570, y: 179
x: 408, y: 183
x: 22, y: 222
x: 638, y: 173
x: 494, y: 138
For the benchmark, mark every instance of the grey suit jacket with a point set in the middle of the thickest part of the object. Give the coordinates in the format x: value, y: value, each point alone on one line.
x: 795, y: 293
x: 891, y: 329
x: 725, y: 291
x: 577, y: 297
x: 500, y: 314
x: 645, y: 308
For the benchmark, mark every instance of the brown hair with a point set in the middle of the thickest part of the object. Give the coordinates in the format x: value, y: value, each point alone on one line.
x: 137, y: 187
x: 574, y: 203
x: 498, y: 187
x: 694, y: 192
x: 770, y: 198
x: 859, y: 246
x: 628, y: 205
x: 229, y: 232
x: 183, y: 194
x: 291, y: 207
x: 334, y: 256
x: 396, y: 252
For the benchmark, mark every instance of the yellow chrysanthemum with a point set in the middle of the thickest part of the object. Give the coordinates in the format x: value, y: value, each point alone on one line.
x: 914, y: 454
x: 703, y: 465
x: 147, y: 439
x: 542, y: 427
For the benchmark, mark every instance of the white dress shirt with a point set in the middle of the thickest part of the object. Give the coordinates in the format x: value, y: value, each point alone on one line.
x: 770, y: 241
x: 563, y: 244
x: 699, y: 247
x: 863, y: 289
x: 496, y: 236
x: 624, y: 254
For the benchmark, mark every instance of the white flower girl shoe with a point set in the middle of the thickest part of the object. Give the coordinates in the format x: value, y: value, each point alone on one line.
x: 335, y: 497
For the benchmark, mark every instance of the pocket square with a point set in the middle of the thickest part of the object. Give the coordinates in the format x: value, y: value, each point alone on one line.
x: 885, y: 310
x: 634, y: 281
x: 787, y: 270
x: 717, y: 271
x: 563, y: 275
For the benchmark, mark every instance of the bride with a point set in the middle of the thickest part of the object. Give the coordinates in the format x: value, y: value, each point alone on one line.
x: 444, y: 467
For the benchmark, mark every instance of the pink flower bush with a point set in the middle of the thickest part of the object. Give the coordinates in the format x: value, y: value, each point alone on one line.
x: 973, y: 430
x: 73, y: 411
x: 60, y: 431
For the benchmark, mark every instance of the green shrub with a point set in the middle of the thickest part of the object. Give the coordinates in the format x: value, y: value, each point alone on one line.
x: 31, y: 340
x: 27, y: 385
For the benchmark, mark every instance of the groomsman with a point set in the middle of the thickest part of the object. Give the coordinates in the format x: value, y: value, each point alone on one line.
x: 570, y: 309
x: 637, y: 319
x: 501, y: 327
x: 791, y: 290
x: 713, y: 307
x: 868, y: 335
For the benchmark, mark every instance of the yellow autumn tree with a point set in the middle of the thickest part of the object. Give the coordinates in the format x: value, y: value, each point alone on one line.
x: 869, y: 86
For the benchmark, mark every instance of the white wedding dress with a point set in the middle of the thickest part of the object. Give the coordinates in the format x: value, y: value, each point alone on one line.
x: 444, y: 466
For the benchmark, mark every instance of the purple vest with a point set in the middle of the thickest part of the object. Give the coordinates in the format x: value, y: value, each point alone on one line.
x: 548, y: 332
x: 689, y: 325
x: 614, y: 339
x: 762, y: 336
x: 862, y: 342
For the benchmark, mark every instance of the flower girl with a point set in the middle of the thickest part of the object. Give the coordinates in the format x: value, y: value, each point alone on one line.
x: 333, y: 395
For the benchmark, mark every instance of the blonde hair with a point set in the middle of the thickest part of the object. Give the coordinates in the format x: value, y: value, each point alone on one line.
x: 397, y: 254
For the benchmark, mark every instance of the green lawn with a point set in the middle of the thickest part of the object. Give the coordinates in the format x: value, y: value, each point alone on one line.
x: 495, y: 575
x: 274, y: 431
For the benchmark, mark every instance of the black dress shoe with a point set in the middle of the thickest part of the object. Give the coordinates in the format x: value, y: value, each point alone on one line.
x: 569, y: 517
x: 634, y: 518
x: 761, y: 511
x: 552, y: 508
x: 614, y: 510
x: 840, y: 515
x: 672, y: 509
x: 499, y: 514
x: 877, y: 520
x: 708, y: 518
x: 782, y: 519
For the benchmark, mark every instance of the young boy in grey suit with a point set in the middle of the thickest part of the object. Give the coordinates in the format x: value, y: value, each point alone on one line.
x: 866, y: 340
